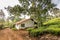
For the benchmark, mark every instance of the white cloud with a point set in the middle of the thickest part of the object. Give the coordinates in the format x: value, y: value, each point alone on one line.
x: 6, y: 13
x: 57, y: 2
x: 5, y: 3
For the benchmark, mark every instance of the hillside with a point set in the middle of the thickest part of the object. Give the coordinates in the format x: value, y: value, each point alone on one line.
x: 50, y: 30
x: 8, y: 34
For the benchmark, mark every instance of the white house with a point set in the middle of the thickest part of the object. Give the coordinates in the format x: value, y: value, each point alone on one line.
x: 25, y: 23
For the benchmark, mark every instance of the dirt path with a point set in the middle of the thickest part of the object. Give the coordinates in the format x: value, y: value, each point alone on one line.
x: 8, y: 34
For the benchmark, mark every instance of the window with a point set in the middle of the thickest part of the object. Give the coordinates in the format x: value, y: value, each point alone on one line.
x: 22, y: 25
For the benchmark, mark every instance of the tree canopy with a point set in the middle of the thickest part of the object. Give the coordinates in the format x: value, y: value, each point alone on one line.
x: 37, y: 9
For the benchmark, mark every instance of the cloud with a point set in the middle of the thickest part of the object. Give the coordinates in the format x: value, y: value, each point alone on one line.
x: 57, y: 2
x: 5, y: 3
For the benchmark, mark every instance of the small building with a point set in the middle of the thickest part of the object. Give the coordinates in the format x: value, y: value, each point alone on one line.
x: 25, y: 23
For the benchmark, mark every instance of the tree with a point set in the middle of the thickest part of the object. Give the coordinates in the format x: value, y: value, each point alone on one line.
x: 56, y: 12
x: 37, y: 9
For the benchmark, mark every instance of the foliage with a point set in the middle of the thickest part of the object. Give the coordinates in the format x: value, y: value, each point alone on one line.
x: 2, y: 20
x: 13, y: 18
x: 2, y: 23
x: 8, y: 24
x: 56, y: 12
x: 40, y: 31
x: 1, y: 26
x: 16, y: 10
x: 36, y: 32
x: 38, y: 9
x: 52, y: 28
x: 29, y: 29
x: 52, y: 21
x: 14, y: 29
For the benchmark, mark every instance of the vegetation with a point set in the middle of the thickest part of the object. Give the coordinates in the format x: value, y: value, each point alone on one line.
x: 38, y: 11
x: 52, y: 28
x: 1, y: 26
x: 53, y: 21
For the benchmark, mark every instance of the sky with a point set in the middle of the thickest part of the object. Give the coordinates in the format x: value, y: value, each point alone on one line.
x: 57, y: 2
x: 6, y: 3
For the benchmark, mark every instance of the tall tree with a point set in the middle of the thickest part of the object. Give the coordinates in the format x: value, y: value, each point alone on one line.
x: 56, y: 12
x: 37, y: 9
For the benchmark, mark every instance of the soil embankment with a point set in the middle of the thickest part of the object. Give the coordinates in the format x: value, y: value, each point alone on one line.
x: 8, y: 34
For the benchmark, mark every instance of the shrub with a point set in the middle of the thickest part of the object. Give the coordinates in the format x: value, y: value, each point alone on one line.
x: 29, y: 29
x: 14, y: 29
x: 52, y: 22
x: 8, y: 24
x: 52, y: 28
x: 1, y: 26
x: 36, y: 32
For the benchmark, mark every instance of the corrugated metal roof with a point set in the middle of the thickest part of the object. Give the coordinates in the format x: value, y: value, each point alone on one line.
x: 21, y: 21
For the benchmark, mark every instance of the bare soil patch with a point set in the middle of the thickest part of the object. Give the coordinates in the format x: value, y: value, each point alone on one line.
x: 9, y: 34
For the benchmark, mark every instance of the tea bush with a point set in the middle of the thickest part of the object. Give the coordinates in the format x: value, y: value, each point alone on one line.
x: 52, y: 22
x: 52, y: 28
x: 36, y: 32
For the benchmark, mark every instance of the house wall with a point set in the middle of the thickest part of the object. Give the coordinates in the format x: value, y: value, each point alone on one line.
x: 28, y: 23
x: 17, y: 27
